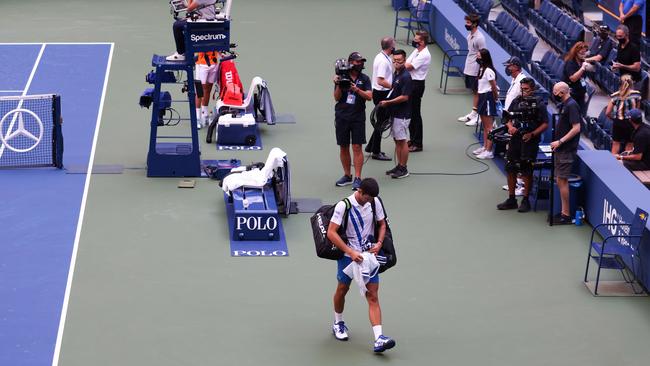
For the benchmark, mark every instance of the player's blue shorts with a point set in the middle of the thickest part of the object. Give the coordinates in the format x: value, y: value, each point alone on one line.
x: 343, y: 278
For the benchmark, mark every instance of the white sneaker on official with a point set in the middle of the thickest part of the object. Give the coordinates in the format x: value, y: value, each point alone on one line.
x: 340, y: 331
x: 465, y: 118
x: 479, y: 150
x: 472, y: 122
x: 519, y: 191
x: 520, y: 182
x: 485, y: 155
x: 504, y: 187
x: 176, y: 57
x: 198, y: 125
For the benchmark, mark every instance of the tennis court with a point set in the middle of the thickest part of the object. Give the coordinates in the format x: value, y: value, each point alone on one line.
x: 42, y: 208
x: 154, y: 280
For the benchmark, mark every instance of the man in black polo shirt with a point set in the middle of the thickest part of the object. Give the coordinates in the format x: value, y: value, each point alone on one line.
x: 639, y: 158
x: 565, y: 146
x: 350, y: 119
x: 603, y: 46
x: 628, y: 58
x: 399, y: 106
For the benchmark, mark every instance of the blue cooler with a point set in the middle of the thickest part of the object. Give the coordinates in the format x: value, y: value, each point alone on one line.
x: 241, y: 131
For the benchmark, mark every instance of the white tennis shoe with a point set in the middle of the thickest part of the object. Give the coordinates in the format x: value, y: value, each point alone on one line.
x: 340, y: 331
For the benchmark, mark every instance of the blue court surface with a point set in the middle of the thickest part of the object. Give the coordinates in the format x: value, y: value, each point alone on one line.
x: 42, y: 208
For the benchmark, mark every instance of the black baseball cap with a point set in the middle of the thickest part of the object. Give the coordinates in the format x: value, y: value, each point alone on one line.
x: 356, y: 56
x: 514, y: 60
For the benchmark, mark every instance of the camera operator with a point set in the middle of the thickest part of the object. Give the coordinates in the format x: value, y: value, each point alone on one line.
x: 204, y: 9
x: 351, y: 96
x: 526, y: 120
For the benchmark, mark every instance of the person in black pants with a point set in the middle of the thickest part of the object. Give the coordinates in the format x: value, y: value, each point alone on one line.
x: 418, y: 66
x: 639, y: 158
x: 382, y: 78
x: 630, y: 13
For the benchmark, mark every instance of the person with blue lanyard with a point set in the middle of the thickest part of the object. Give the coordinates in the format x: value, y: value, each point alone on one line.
x: 360, y: 230
x: 630, y: 13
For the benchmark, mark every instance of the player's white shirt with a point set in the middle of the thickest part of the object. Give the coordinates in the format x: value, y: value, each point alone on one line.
x: 359, y: 216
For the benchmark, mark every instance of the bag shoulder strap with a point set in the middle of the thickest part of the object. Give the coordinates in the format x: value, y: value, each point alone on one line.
x: 374, y: 212
x: 346, y: 213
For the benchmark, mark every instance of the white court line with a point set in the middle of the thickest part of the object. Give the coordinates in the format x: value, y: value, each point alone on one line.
x: 73, y: 259
x: 24, y: 93
x: 12, y: 91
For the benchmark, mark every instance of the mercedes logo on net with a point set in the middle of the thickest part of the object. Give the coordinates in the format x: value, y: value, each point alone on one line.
x: 18, y: 115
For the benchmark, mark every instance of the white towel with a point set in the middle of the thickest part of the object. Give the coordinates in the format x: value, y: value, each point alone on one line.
x: 256, y: 177
x: 362, y: 273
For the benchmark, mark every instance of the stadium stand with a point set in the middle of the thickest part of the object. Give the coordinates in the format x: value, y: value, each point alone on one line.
x: 556, y: 27
x: 518, y: 9
x: 513, y: 36
x: 480, y: 7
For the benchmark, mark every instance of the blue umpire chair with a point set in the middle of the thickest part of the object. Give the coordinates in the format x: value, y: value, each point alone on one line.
x: 612, y: 252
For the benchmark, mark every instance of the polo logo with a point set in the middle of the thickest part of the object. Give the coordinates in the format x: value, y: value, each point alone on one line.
x: 257, y: 223
x: 259, y: 253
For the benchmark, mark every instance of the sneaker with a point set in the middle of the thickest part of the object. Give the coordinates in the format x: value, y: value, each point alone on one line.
x: 383, y: 343
x: 176, y: 57
x: 480, y: 150
x: 472, y: 122
x: 524, y: 206
x: 560, y: 219
x: 381, y: 156
x: 356, y: 184
x: 504, y: 187
x: 485, y: 155
x: 340, y: 331
x: 199, y: 125
x: 464, y: 118
x: 509, y: 204
x: 344, y: 181
x: 389, y: 172
x: 415, y: 148
x: 400, y: 172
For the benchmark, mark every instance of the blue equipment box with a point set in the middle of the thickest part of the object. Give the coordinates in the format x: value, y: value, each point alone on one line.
x: 223, y: 167
x: 255, y: 214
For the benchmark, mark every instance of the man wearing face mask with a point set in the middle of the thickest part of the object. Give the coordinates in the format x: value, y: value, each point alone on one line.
x: 565, y: 146
x: 382, y: 79
x: 350, y: 119
x: 475, y: 42
x: 628, y: 58
x: 603, y: 46
x: 526, y: 119
x: 417, y: 64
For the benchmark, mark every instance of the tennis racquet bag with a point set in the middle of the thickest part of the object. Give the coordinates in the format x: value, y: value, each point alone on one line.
x: 319, y: 224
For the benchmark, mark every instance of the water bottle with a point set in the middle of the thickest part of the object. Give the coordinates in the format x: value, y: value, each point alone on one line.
x: 580, y: 215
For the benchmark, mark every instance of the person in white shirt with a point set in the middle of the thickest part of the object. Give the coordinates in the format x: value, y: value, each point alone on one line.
x: 382, y: 80
x: 513, y: 69
x: 488, y: 95
x: 417, y: 65
x: 360, y: 230
x: 475, y: 42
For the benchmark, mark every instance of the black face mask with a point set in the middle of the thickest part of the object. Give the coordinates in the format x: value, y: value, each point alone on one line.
x: 479, y: 61
x: 621, y: 41
x: 415, y: 44
x: 468, y: 27
x: 604, y: 36
x: 508, y: 72
x: 557, y: 99
x: 357, y: 68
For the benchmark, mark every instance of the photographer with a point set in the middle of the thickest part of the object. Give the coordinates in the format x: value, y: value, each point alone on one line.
x: 352, y: 89
x: 204, y: 9
x: 526, y: 120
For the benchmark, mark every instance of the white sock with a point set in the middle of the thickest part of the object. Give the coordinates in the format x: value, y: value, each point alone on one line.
x: 338, y: 317
x: 198, y: 114
x: 377, y: 330
x: 204, y: 111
